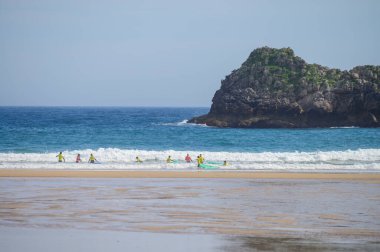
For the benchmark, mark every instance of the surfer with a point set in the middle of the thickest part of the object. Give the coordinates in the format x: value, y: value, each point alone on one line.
x: 138, y: 160
x: 60, y: 157
x: 199, y: 161
x: 202, y: 159
x: 169, y: 160
x: 78, y: 159
x: 225, y: 163
x: 92, y: 159
x: 188, y: 158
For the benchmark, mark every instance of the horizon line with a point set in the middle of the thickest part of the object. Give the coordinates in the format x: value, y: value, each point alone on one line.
x: 101, y: 106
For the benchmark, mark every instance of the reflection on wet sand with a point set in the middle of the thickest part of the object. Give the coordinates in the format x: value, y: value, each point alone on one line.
x: 245, y: 244
x: 253, y: 213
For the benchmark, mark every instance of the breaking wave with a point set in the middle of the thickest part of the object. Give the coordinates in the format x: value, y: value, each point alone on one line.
x: 182, y: 123
x: 113, y: 158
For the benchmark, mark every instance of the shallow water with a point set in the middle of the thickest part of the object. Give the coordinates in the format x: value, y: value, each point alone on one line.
x: 322, y: 210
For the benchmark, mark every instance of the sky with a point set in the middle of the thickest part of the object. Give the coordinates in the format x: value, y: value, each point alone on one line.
x: 168, y: 52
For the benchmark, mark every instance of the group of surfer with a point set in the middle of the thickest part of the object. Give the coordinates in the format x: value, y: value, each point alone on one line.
x: 92, y: 159
x: 200, y: 160
x: 61, y: 158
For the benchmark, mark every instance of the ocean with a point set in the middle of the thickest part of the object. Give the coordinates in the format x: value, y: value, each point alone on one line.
x: 31, y: 137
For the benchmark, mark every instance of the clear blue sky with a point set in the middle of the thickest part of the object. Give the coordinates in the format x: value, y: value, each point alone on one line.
x: 166, y: 53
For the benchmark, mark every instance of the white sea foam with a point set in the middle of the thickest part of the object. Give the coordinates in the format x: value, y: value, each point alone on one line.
x: 112, y: 158
x: 183, y: 123
x: 344, y: 127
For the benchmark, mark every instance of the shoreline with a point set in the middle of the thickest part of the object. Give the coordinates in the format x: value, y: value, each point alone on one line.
x: 46, y: 173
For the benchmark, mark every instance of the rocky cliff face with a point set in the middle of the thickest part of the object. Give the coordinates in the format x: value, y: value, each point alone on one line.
x: 276, y: 89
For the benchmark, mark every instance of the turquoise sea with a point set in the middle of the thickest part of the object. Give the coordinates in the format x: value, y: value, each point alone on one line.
x: 31, y: 137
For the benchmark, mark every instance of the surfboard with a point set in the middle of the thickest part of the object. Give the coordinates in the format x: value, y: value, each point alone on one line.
x: 208, y: 167
x: 172, y: 162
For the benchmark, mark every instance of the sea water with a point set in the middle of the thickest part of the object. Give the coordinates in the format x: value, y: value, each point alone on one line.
x: 31, y: 137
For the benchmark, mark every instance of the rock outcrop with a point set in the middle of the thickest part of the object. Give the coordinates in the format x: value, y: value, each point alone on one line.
x: 276, y: 89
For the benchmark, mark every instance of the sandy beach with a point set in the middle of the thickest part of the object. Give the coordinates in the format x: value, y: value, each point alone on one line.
x: 374, y: 177
x: 202, y: 210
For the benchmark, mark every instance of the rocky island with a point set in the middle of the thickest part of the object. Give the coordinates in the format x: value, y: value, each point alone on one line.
x: 276, y: 89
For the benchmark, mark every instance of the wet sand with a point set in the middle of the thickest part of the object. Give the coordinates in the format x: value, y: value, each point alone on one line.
x: 59, y: 240
x: 246, y: 214
x: 374, y: 177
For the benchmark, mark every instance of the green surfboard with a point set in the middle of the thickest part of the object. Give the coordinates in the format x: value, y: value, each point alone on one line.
x: 208, y: 167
